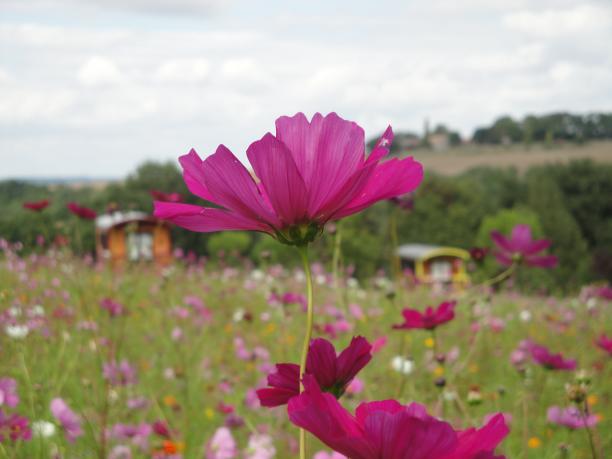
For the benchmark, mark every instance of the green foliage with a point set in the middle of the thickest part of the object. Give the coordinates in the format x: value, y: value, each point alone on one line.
x: 229, y: 243
x: 558, y: 224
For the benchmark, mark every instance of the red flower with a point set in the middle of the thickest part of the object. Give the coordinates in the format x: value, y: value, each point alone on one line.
x: 521, y: 248
x: 82, y: 212
x: 36, y: 206
x: 386, y: 429
x: 332, y: 372
x: 542, y: 356
x: 166, y: 197
x: 478, y: 253
x: 430, y: 319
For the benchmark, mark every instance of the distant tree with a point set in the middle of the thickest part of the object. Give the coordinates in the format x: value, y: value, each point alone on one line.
x: 558, y: 224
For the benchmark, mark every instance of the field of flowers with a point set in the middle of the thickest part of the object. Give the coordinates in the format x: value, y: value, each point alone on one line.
x: 221, y: 360
x: 148, y: 363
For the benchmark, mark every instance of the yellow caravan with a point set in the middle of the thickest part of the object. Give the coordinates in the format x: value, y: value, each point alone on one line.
x: 433, y: 264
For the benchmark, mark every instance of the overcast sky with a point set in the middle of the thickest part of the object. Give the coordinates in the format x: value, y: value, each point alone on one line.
x: 95, y: 87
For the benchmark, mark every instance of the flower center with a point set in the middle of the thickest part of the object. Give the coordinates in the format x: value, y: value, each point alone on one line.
x: 300, y: 234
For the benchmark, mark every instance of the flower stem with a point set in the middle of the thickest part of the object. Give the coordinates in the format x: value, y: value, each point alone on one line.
x: 309, y: 316
x: 500, y: 277
x: 584, y: 412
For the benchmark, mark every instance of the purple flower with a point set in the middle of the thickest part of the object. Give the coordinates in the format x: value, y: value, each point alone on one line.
x: 570, y: 417
x: 8, y: 392
x: 69, y: 420
x: 521, y: 248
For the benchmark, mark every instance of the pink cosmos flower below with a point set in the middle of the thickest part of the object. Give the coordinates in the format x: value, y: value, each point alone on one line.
x: 332, y: 372
x: 428, y: 320
x: 542, y: 356
x: 69, y: 420
x: 570, y: 417
x: 387, y: 429
x: 8, y: 392
x: 521, y: 248
x: 310, y: 173
x: 603, y: 342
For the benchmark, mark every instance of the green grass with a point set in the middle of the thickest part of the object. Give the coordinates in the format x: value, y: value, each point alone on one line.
x: 180, y: 378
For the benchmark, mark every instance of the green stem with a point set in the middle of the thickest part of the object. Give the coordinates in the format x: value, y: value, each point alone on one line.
x: 584, y: 412
x: 309, y: 316
x: 501, y: 276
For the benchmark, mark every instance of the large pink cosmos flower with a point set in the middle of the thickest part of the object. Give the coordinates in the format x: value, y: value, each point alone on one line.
x: 430, y: 319
x: 542, y: 356
x: 521, y: 248
x: 310, y: 172
x: 69, y: 420
x: 387, y: 429
x: 332, y: 372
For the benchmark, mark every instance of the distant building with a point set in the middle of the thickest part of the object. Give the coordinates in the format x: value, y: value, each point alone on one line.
x: 436, y: 264
x: 439, y: 141
x: 123, y: 237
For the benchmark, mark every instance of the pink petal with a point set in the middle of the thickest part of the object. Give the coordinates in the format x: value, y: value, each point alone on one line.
x: 233, y: 187
x: 352, y: 359
x: 537, y: 246
x: 521, y: 238
x: 327, y: 152
x: 547, y: 261
x: 275, y: 167
x: 204, y: 219
x: 500, y: 241
x: 382, y: 147
x: 321, y: 362
x: 193, y: 174
x: 389, y: 179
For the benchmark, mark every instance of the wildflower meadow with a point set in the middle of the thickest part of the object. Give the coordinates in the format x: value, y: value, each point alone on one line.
x: 226, y: 356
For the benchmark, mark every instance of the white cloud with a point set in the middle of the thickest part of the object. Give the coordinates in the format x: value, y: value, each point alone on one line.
x: 581, y: 19
x: 99, y: 71
x: 184, y: 70
x: 128, y: 90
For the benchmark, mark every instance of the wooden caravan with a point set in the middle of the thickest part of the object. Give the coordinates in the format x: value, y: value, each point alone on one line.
x: 124, y: 237
x: 435, y: 264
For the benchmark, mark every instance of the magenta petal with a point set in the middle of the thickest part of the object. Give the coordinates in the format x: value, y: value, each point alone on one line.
x: 352, y: 359
x: 287, y: 376
x: 233, y: 187
x: 472, y: 442
x: 382, y: 147
x: 193, y: 174
x: 521, y: 238
x: 366, y: 408
x: 389, y: 179
x: 203, y: 219
x: 274, y: 396
x: 276, y: 168
x: 503, y: 258
x: 537, y: 246
x: 321, y: 362
x: 545, y: 261
x: 501, y: 241
x: 327, y: 152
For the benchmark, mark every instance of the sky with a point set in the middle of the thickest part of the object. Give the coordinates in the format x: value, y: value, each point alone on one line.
x: 96, y: 87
